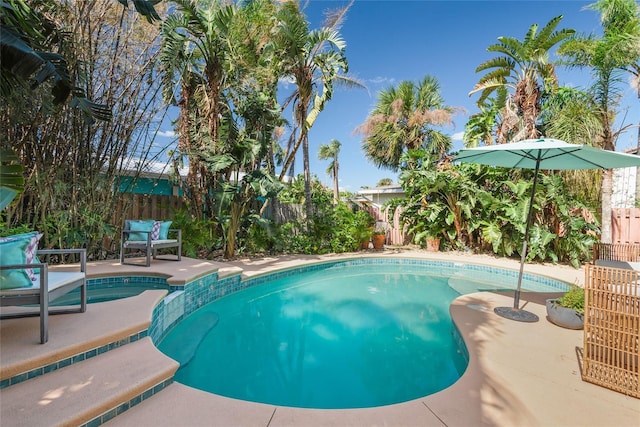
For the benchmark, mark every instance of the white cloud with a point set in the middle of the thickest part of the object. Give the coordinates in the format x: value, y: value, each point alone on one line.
x: 167, y: 133
x: 286, y: 81
x: 457, y: 136
x: 379, y: 80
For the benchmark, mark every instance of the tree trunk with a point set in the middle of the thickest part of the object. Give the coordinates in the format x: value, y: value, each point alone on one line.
x: 336, y: 189
x: 307, y: 176
x: 607, y: 186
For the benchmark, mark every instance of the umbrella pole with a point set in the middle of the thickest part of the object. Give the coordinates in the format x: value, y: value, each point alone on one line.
x: 515, y: 313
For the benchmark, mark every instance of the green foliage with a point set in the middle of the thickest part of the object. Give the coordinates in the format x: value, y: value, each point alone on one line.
x: 406, y: 117
x: 261, y: 237
x: 333, y: 230
x: 484, y: 208
x: 573, y: 299
x: 11, y: 179
x: 441, y: 203
x: 30, y: 40
x: 10, y: 231
x: 199, y: 236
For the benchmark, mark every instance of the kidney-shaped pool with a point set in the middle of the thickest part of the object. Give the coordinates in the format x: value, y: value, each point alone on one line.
x: 341, y: 336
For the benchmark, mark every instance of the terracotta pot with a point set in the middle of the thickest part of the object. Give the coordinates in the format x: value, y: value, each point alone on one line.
x: 378, y: 241
x: 433, y: 245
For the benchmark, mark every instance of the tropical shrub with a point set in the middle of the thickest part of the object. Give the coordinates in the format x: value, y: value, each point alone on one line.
x: 330, y: 229
x: 199, y: 237
x: 483, y: 208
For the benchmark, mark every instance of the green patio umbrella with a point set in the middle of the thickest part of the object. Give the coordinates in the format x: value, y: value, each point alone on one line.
x: 543, y: 153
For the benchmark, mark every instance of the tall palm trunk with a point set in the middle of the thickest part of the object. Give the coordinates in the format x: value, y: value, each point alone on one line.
x: 608, y: 143
x: 308, y: 205
x: 185, y: 145
x: 607, y: 187
x: 336, y: 189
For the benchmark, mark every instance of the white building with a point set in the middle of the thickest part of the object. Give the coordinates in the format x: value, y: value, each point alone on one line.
x: 378, y: 196
x: 625, y: 185
x: 623, y: 194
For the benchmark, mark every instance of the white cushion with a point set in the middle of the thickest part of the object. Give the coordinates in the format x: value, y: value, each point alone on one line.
x: 56, y: 280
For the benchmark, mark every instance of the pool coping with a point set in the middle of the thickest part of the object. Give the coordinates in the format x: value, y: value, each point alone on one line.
x: 496, y: 388
x: 512, y: 379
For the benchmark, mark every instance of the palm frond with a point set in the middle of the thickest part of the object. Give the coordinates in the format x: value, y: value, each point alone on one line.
x: 145, y: 8
x: 497, y: 62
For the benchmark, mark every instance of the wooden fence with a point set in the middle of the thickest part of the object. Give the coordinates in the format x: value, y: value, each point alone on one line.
x: 143, y: 206
x: 395, y: 235
x: 625, y: 225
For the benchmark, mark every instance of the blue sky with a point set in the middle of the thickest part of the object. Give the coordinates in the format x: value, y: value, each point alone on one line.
x: 391, y: 41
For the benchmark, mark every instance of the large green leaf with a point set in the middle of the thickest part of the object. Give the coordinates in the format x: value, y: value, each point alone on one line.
x: 11, y: 178
x: 144, y: 8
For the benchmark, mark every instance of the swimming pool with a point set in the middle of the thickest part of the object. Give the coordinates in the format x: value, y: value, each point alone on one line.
x: 338, y: 335
x: 113, y: 288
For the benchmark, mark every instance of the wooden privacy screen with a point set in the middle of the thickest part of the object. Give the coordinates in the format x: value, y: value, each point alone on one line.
x: 625, y: 225
x: 612, y: 328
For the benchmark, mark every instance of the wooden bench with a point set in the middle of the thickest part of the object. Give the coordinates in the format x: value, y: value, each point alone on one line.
x: 140, y: 239
x: 49, y: 286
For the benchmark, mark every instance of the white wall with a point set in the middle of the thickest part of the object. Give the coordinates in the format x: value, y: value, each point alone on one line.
x: 624, y: 188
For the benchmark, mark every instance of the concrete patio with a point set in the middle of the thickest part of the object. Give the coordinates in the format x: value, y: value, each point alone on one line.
x: 520, y: 374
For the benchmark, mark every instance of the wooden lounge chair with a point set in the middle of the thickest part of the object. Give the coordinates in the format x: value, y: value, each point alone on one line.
x: 49, y: 286
x: 135, y: 236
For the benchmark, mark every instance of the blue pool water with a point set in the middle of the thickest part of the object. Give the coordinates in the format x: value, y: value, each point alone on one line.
x: 101, y: 290
x: 342, y: 336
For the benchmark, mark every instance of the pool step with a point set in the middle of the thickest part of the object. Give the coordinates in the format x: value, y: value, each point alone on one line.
x: 92, y: 391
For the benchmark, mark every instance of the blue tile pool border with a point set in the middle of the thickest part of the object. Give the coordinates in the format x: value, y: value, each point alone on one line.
x: 118, y: 281
x: 94, y: 283
x: 209, y: 288
x: 114, y: 412
x: 182, y: 301
x: 33, y: 373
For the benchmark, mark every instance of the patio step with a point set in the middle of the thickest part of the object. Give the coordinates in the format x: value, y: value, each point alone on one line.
x: 94, y: 390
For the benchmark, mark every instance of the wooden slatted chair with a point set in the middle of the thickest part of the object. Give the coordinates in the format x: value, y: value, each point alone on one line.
x: 612, y: 328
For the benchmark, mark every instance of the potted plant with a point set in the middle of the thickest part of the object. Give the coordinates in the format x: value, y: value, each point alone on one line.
x: 433, y: 244
x: 379, y: 236
x: 362, y: 229
x: 568, y: 310
x: 431, y: 237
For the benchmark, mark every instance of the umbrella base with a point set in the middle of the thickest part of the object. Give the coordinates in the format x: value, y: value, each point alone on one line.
x: 516, y: 314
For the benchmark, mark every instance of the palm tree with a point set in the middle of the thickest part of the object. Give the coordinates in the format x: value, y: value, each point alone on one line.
x: 315, y: 61
x: 482, y: 126
x: 523, y: 67
x: 403, y: 119
x: 331, y: 151
x: 194, y: 57
x: 608, y: 57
